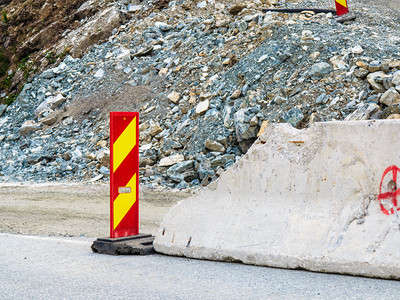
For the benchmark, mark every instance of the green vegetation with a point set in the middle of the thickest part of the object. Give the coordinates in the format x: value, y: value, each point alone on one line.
x: 4, y: 63
x: 64, y: 53
x: 10, y: 99
x: 4, y: 17
x: 6, y: 82
x: 23, y: 61
x: 27, y: 66
x: 51, y: 57
x: 4, y: 85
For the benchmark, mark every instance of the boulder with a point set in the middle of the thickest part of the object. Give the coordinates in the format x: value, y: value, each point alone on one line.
x: 202, y: 107
x: 29, y: 127
x: 390, y: 97
x: 364, y: 112
x: 49, y: 104
x: 97, y: 29
x: 293, y: 116
x: 154, y: 128
x: 183, y: 171
x: 214, y: 146
x: 242, y: 124
x: 319, y: 70
x: 103, y: 157
x: 371, y: 78
x: 171, y: 160
x: 49, y: 120
x: 174, y: 97
x: 396, y: 80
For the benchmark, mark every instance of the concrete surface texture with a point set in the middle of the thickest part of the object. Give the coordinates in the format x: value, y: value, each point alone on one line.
x: 300, y: 199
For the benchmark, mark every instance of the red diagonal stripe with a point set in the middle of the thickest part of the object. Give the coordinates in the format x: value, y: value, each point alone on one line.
x: 126, y: 170
x: 340, y: 9
x: 119, y: 125
x: 131, y: 217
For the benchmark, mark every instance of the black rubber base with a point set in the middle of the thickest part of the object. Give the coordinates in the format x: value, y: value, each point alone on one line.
x: 345, y: 18
x: 299, y: 10
x: 141, y: 244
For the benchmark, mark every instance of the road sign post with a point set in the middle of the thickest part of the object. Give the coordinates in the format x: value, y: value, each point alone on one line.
x: 124, y: 190
x: 124, y: 174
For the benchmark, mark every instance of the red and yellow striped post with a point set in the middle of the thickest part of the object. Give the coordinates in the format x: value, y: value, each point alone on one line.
x: 341, y: 7
x: 124, y: 174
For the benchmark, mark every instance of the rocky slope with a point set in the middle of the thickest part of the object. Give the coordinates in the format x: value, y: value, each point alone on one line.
x: 206, y: 76
x: 28, y: 29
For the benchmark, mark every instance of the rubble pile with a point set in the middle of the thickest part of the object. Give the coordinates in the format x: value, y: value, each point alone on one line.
x: 205, y: 77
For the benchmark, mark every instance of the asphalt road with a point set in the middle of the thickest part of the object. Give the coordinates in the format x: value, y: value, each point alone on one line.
x: 34, y: 267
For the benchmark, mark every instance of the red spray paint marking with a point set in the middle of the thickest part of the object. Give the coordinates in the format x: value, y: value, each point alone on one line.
x: 392, y: 195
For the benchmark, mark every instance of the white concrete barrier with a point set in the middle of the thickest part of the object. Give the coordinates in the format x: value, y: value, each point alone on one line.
x: 300, y: 199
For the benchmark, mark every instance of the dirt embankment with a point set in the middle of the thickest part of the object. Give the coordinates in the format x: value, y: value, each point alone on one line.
x: 27, y: 29
x: 73, y: 209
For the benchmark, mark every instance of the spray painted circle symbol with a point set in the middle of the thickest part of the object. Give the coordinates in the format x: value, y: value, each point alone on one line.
x: 388, y: 199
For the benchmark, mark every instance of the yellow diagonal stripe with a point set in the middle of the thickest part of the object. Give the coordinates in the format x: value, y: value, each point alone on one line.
x: 124, y: 144
x: 124, y: 202
x: 342, y: 2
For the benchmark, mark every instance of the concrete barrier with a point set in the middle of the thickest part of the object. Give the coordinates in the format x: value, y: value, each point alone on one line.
x: 301, y: 199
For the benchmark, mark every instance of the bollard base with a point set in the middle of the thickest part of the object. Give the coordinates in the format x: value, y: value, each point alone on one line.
x: 141, y: 244
x: 345, y: 18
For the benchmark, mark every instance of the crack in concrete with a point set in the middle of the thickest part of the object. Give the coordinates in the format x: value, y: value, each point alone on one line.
x: 358, y: 215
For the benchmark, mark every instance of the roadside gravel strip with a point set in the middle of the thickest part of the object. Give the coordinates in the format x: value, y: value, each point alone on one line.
x: 73, y: 209
x: 65, y: 268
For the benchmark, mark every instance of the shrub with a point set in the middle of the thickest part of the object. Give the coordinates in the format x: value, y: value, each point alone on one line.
x: 5, y: 17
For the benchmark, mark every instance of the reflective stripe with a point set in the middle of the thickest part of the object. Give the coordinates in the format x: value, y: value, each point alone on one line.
x: 123, y: 202
x: 124, y: 144
x: 342, y: 2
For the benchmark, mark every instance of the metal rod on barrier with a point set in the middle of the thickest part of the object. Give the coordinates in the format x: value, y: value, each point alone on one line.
x: 299, y: 10
x: 341, y: 9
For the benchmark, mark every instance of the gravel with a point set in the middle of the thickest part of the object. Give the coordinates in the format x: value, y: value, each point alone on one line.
x: 204, y: 81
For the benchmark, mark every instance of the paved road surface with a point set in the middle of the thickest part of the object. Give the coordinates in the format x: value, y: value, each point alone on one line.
x: 65, y: 268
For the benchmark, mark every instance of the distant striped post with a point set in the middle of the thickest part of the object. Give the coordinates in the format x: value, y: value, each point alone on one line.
x: 341, y: 7
x: 124, y: 174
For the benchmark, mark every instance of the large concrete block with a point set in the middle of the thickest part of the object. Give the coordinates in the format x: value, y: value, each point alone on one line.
x: 300, y: 199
